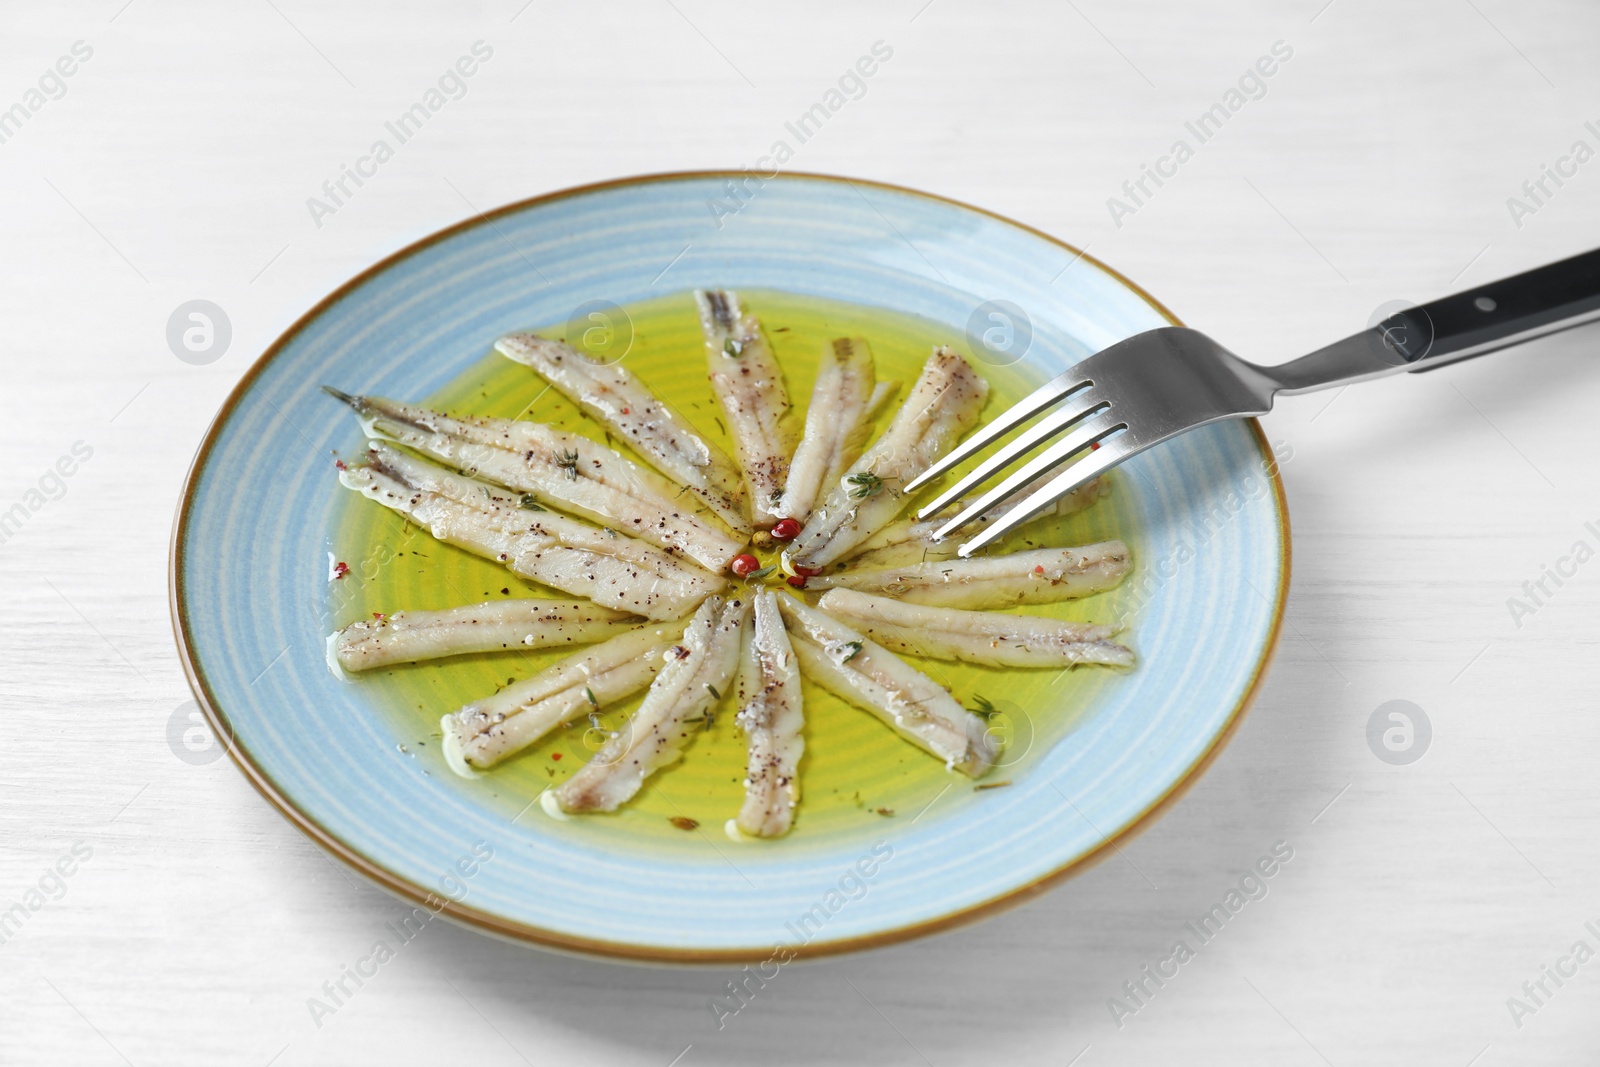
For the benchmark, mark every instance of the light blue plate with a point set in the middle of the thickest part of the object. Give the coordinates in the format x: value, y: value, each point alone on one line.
x: 249, y: 563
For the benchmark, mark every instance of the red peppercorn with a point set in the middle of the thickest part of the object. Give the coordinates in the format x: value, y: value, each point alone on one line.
x: 555, y: 755
x: 341, y: 569
x: 805, y: 572
x: 797, y: 580
x: 786, y: 530
x: 744, y: 563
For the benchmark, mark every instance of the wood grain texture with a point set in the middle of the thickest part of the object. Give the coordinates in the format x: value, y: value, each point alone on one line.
x: 1376, y: 166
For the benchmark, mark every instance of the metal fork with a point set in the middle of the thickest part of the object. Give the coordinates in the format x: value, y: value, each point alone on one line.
x: 1164, y: 382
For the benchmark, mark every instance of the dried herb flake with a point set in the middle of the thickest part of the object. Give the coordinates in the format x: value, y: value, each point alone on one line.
x: 568, y: 461
x: 866, y: 484
x: 985, y: 709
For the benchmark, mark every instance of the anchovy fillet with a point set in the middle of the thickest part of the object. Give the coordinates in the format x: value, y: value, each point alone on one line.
x: 563, y: 470
x: 489, y: 730
x: 976, y: 636
x: 1037, y: 576
x: 612, y: 569
x: 749, y: 384
x: 857, y: 669
x: 609, y: 393
x: 844, y: 401
x: 943, y: 404
x: 771, y: 715
x: 521, y: 624
x: 690, y: 684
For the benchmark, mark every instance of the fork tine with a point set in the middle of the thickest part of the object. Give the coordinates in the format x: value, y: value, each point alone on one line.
x: 1057, y: 388
x: 1076, y: 474
x: 1080, y: 438
x: 1043, y: 430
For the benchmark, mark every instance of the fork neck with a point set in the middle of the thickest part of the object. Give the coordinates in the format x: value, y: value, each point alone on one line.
x: 1356, y: 358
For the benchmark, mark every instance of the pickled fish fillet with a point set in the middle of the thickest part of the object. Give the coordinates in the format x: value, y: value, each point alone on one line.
x: 771, y: 715
x: 612, y: 569
x: 564, y: 470
x: 942, y: 406
x: 688, y: 686
x: 749, y: 384
x: 856, y: 669
x: 912, y: 541
x: 1037, y: 576
x: 844, y: 401
x: 409, y: 636
x: 489, y: 730
x: 616, y: 398
x: 975, y: 636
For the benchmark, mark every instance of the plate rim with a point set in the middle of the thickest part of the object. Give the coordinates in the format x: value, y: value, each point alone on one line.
x: 528, y: 933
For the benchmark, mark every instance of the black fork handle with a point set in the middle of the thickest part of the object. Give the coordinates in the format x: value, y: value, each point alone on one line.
x: 1502, y: 313
x: 1481, y: 320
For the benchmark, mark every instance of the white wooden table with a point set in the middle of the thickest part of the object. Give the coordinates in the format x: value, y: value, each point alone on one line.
x: 175, y: 164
